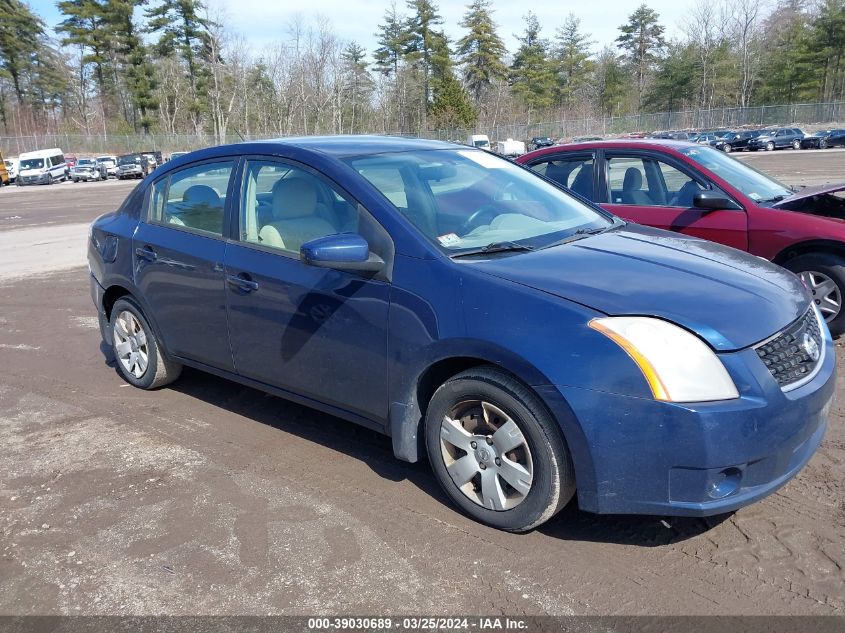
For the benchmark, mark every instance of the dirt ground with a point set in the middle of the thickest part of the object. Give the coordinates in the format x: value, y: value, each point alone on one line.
x: 210, y: 498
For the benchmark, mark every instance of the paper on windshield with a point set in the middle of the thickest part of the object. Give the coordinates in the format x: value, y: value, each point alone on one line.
x: 485, y: 160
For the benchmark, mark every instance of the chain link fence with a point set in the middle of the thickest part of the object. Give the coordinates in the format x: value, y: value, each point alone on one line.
x: 810, y: 114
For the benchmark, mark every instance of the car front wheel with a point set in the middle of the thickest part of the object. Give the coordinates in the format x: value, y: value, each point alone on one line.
x: 136, y: 349
x: 770, y: 146
x: 496, y: 451
x: 824, y: 276
x: 727, y: 148
x: 796, y: 144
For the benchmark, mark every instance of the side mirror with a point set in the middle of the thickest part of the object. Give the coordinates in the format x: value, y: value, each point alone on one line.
x: 344, y: 251
x: 714, y: 201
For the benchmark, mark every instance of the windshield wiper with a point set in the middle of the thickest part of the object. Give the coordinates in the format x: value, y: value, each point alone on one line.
x: 495, y: 247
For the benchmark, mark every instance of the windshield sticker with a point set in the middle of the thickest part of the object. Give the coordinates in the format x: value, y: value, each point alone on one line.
x: 450, y: 239
x: 485, y: 160
x: 756, y: 197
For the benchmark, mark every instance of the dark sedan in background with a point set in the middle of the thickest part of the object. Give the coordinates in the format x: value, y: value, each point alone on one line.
x: 824, y: 139
x: 733, y: 141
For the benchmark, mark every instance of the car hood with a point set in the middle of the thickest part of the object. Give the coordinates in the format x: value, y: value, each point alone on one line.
x: 809, y: 192
x: 730, y: 298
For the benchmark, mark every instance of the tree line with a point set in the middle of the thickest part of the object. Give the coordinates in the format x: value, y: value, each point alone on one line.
x: 172, y: 66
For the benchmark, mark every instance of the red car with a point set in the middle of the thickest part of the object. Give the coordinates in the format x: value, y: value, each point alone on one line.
x: 701, y: 191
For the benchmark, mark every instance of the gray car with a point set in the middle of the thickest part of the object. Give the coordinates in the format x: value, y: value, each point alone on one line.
x: 778, y: 138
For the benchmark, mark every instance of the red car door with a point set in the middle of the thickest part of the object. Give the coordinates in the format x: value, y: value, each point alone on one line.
x: 657, y: 190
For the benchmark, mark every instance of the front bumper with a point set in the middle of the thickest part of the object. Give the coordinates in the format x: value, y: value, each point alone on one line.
x: 85, y: 175
x: 642, y: 456
x: 41, y: 179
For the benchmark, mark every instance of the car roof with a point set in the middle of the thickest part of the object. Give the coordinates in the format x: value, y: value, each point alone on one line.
x: 350, y: 145
x: 645, y: 143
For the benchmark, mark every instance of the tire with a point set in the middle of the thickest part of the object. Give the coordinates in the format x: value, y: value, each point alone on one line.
x: 770, y: 146
x: 727, y: 148
x: 796, y: 144
x: 822, y: 144
x: 158, y: 370
x: 823, y: 265
x: 541, y: 450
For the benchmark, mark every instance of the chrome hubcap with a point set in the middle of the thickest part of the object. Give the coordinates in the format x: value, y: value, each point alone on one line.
x: 825, y: 292
x: 130, y: 344
x: 486, y: 455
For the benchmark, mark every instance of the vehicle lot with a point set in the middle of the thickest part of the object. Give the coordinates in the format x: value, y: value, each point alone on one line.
x: 207, y: 497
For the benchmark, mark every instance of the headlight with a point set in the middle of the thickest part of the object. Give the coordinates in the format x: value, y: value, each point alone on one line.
x: 678, y: 366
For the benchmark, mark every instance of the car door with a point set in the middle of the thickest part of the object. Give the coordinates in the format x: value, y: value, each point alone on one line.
x: 574, y: 171
x: 657, y: 190
x: 178, y: 249
x: 317, y: 332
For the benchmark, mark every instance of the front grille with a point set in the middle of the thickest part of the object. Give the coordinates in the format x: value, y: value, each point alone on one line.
x: 795, y: 353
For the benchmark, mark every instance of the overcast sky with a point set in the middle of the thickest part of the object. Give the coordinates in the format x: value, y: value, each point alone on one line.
x: 264, y: 21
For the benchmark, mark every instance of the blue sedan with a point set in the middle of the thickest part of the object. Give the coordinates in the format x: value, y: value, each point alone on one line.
x: 529, y: 345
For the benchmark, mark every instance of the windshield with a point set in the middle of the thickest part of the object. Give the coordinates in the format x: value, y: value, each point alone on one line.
x: 467, y: 199
x: 754, y: 184
x: 32, y: 163
x: 85, y: 162
x: 128, y: 160
x: 105, y: 159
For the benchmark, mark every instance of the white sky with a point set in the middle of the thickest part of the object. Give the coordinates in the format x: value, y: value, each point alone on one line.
x: 264, y: 21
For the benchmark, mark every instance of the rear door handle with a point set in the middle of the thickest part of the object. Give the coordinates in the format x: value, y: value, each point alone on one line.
x: 146, y: 253
x: 242, y: 283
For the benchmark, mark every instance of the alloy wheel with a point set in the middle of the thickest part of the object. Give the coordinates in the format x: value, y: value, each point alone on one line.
x: 825, y: 292
x: 130, y: 344
x: 486, y: 455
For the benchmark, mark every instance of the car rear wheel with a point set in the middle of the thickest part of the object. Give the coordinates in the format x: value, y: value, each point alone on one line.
x: 727, y: 147
x: 496, y: 451
x: 770, y: 146
x: 824, y: 276
x: 136, y: 349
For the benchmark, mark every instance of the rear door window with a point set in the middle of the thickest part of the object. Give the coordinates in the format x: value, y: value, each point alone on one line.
x: 573, y: 172
x: 193, y: 198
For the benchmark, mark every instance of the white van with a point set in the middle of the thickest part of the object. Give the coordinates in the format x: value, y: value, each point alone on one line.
x: 43, y: 167
x: 510, y: 148
x: 478, y: 140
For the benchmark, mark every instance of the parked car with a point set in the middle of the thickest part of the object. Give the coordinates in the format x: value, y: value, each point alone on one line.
x: 177, y: 154
x: 132, y: 166
x: 5, y: 174
x: 777, y: 138
x: 702, y: 192
x: 529, y: 342
x: 42, y: 167
x: 107, y: 166
x: 85, y: 169
x: 733, y: 141
x: 824, y: 139
x: 11, y: 165
x: 541, y: 141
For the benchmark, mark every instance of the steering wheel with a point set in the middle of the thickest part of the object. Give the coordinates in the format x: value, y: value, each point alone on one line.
x: 479, y: 217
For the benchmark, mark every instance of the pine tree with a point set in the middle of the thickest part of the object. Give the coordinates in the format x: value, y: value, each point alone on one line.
x: 20, y: 29
x: 531, y: 74
x: 86, y: 26
x: 481, y: 50
x: 357, y: 84
x: 184, y: 32
x: 642, y: 40
x: 451, y: 106
x: 427, y: 47
x: 392, y: 41
x: 572, y: 59
x: 674, y: 84
x: 611, y: 82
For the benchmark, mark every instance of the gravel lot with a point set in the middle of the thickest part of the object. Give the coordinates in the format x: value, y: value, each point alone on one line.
x: 211, y: 498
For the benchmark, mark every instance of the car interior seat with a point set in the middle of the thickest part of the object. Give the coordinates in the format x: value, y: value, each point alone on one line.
x: 632, y: 192
x: 295, y: 215
x: 201, y: 208
x: 583, y: 183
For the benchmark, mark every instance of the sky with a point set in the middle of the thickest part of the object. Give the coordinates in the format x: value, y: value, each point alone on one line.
x: 263, y: 22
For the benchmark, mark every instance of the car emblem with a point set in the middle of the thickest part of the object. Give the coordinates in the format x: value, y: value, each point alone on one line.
x: 811, y: 347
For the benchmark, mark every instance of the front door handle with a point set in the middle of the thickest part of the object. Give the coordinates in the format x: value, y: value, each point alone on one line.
x: 242, y: 283
x: 146, y: 253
